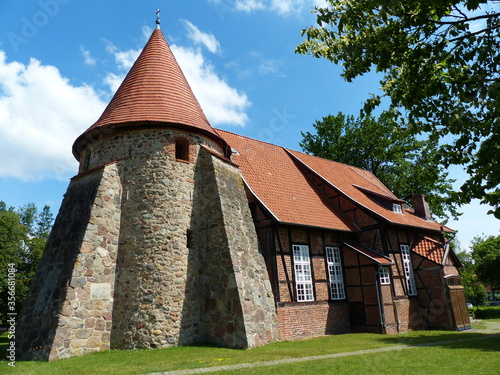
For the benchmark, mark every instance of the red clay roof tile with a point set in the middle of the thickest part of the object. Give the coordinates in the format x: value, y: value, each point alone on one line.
x: 361, y: 186
x: 369, y: 253
x: 429, y: 248
x: 154, y: 91
x: 278, y: 183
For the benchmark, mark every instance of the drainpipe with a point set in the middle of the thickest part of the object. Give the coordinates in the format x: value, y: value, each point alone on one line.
x: 379, y: 301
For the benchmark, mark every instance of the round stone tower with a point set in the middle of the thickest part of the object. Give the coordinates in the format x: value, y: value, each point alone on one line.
x: 154, y: 244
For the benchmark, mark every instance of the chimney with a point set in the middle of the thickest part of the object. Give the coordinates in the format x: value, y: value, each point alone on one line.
x: 421, y: 207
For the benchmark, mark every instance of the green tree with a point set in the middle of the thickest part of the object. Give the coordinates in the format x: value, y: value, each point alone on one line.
x: 474, y: 291
x: 23, y: 235
x: 28, y: 214
x: 44, y: 223
x: 440, y: 70
x: 406, y: 165
x: 486, y: 255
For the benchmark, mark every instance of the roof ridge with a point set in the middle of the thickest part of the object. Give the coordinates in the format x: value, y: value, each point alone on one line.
x: 329, y: 160
x: 247, y: 137
x: 370, y: 182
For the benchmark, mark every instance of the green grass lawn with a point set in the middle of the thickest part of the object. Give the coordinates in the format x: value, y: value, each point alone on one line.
x: 452, y: 354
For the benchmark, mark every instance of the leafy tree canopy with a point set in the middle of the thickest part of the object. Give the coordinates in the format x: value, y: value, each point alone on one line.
x: 474, y: 291
x: 406, y: 165
x: 23, y: 234
x: 486, y: 255
x: 441, y: 70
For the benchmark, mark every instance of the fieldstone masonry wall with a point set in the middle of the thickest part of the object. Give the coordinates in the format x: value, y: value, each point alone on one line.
x: 150, y: 251
x: 238, y: 304
x: 68, y: 311
x: 154, y: 290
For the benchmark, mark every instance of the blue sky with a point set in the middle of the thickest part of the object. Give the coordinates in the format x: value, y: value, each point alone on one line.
x: 61, y: 60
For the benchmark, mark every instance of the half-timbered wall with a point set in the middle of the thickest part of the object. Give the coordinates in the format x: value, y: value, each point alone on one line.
x: 362, y: 292
x: 322, y: 315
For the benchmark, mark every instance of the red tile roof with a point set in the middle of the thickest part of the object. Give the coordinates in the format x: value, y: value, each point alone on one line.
x: 154, y: 91
x: 429, y: 248
x: 369, y: 253
x: 361, y: 186
x: 276, y: 180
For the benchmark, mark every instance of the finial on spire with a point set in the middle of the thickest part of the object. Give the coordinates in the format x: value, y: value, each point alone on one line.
x: 158, y: 19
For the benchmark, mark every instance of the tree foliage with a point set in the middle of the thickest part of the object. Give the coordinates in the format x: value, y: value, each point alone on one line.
x: 486, y: 255
x: 406, y: 165
x: 23, y: 235
x: 440, y: 69
x: 474, y: 291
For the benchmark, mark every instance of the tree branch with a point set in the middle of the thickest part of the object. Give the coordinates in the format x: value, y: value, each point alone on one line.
x: 474, y: 33
x: 466, y: 19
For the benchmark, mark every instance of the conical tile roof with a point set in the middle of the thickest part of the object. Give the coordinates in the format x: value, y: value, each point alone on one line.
x: 154, y: 92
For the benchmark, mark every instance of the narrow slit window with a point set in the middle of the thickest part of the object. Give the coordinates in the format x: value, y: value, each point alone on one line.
x: 182, y: 149
x: 85, y: 161
x: 408, y: 269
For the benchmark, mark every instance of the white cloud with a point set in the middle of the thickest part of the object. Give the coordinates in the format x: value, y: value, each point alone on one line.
x: 88, y: 59
x: 221, y: 103
x: 113, y: 81
x: 321, y: 3
x: 199, y: 37
x: 41, y: 114
x: 124, y: 59
x: 265, y: 65
x: 282, y: 7
x: 249, y: 5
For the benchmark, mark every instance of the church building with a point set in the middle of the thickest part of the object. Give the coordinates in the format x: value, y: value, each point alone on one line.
x: 174, y: 232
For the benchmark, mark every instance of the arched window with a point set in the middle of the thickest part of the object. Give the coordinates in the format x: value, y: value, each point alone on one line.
x: 182, y: 149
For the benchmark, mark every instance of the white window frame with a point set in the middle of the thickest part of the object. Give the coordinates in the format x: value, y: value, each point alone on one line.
x: 408, y: 269
x: 335, y: 275
x: 384, y: 276
x: 397, y: 208
x: 303, y: 273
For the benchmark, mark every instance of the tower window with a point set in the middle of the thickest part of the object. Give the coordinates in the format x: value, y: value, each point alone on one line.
x: 85, y: 161
x: 182, y: 149
x: 189, y: 238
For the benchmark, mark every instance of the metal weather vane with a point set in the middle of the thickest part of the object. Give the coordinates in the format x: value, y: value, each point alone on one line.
x: 158, y: 18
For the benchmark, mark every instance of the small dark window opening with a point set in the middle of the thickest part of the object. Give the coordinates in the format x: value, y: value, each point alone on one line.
x: 189, y: 238
x: 182, y: 149
x: 85, y: 161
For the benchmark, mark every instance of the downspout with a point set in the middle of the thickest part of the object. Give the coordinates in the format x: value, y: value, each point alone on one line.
x: 379, y: 301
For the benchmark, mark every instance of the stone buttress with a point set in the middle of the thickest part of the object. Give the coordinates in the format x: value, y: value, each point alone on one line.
x: 154, y: 244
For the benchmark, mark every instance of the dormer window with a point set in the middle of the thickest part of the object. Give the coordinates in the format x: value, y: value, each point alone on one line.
x: 397, y: 208
x: 182, y: 149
